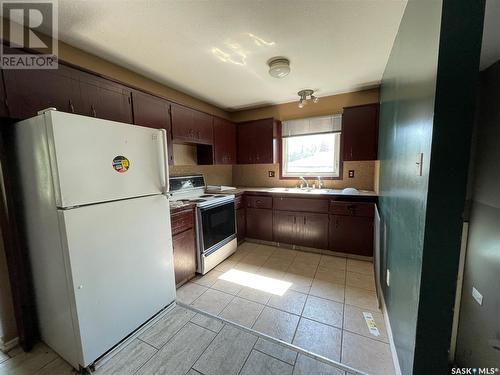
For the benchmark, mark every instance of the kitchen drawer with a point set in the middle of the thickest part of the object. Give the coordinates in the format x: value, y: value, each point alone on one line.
x: 239, y: 202
x: 182, y: 221
x: 300, y: 204
x: 258, y: 201
x: 352, y: 208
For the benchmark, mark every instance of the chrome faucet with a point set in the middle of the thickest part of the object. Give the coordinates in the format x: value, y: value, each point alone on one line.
x: 303, y: 179
x: 320, y: 183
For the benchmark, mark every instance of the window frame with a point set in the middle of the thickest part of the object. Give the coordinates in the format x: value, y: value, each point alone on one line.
x: 281, y: 154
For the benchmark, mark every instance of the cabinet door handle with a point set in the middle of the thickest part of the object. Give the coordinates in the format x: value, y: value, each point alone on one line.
x: 304, y: 219
x: 71, y: 106
x: 198, y: 134
x: 295, y: 219
x: 351, y: 154
x: 93, y: 111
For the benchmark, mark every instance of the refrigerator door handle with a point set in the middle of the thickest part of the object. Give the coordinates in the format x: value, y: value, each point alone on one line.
x: 166, y: 186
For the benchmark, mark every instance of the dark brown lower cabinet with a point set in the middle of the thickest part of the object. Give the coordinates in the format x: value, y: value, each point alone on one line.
x: 259, y: 223
x: 184, y: 256
x: 240, y: 224
x: 284, y: 224
x: 301, y: 228
x: 351, y: 234
x: 313, y: 230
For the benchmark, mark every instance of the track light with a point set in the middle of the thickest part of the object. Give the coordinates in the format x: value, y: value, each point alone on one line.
x: 304, y: 94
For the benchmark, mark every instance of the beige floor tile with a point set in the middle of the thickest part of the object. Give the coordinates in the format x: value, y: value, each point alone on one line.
x: 207, y: 322
x: 366, y: 354
x: 27, y: 363
x: 242, y: 311
x: 298, y: 268
x: 267, y: 249
x: 227, y: 352
x: 254, y: 260
x: 333, y: 262
x: 332, y: 275
x: 274, y: 274
x: 360, y: 266
x: 324, y: 289
x: 354, y: 321
x: 227, y: 265
x: 166, y: 327
x: 212, y: 301
x: 128, y: 360
x: 311, y: 259
x: 247, y: 246
x: 58, y: 367
x: 277, y: 351
x: 247, y: 267
x: 360, y: 280
x: 284, y: 254
x: 361, y: 298
x: 309, y: 366
x: 180, y: 353
x: 259, y: 363
x: 324, y: 311
x: 277, y: 264
x: 291, y: 301
x: 227, y: 287
x: 319, y: 338
x: 255, y: 295
x: 299, y: 283
x: 208, y: 279
x: 189, y: 292
x: 277, y: 324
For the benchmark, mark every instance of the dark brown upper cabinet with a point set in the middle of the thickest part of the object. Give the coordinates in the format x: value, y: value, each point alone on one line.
x: 153, y: 112
x: 224, y: 141
x: 257, y: 141
x: 191, y: 126
x: 29, y: 91
x: 360, y: 132
x: 105, y: 99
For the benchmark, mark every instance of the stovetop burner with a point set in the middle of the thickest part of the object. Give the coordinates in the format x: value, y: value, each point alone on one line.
x: 206, y: 195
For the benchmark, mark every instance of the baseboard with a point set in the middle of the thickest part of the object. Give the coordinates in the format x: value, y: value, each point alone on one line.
x: 394, y: 353
x: 11, y: 344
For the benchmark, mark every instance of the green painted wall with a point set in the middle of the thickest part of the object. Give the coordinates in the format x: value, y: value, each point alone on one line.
x: 427, y: 103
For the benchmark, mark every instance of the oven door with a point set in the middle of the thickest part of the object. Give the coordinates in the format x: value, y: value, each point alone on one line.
x: 217, y: 226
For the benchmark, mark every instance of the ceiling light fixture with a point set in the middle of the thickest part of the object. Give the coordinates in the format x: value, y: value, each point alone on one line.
x: 304, y: 94
x: 279, y: 67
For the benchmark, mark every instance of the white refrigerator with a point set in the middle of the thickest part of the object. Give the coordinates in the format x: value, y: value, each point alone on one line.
x: 97, y: 221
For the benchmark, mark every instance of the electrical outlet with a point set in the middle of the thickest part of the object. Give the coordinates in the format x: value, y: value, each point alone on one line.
x: 351, y: 173
x: 270, y: 173
x: 388, y: 278
x: 477, y: 296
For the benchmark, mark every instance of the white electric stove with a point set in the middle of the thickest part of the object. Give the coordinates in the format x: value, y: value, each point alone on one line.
x: 215, y: 219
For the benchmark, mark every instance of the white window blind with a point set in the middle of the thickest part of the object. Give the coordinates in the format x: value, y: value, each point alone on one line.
x: 312, y: 125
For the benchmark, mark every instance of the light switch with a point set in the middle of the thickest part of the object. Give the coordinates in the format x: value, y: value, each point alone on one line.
x: 270, y: 174
x: 351, y: 173
x: 477, y: 296
x: 419, y: 162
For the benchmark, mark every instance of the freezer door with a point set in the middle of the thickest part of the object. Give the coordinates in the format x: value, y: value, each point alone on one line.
x: 94, y: 160
x: 120, y: 263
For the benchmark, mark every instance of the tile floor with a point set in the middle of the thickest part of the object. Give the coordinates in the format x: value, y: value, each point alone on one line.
x: 321, y: 309
x: 181, y: 342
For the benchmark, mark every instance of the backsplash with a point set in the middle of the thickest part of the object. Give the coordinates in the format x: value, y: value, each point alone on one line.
x: 256, y: 175
x: 214, y: 174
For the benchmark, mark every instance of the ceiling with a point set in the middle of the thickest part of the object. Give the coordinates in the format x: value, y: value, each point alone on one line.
x: 490, y: 50
x: 217, y: 50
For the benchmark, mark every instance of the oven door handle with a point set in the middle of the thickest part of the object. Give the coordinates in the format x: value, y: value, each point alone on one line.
x: 214, y: 205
